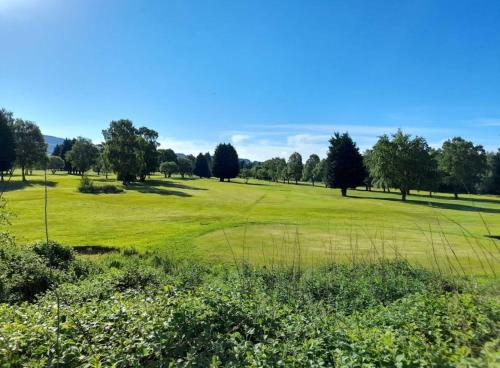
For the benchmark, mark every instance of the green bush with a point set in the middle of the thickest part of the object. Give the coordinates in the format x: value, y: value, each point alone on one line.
x: 87, y: 186
x: 54, y: 254
x: 154, y: 311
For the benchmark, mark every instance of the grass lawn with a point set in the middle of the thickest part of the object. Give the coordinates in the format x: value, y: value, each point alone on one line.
x: 262, y: 222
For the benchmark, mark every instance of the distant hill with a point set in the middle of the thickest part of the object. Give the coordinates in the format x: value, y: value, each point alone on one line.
x: 52, y: 142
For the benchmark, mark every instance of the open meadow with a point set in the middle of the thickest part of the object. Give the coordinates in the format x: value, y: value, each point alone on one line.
x: 262, y: 222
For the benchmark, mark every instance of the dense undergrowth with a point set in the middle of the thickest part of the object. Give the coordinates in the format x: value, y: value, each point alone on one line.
x: 130, y: 309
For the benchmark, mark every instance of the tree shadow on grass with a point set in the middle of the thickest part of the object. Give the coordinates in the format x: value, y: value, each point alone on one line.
x: 148, y: 189
x: 170, y: 184
x: 483, y: 200
x: 9, y: 186
x: 257, y: 184
x: 433, y: 204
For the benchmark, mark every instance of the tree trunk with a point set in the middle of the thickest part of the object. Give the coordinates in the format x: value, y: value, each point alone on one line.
x: 343, y: 191
x: 430, y: 194
x: 403, y: 194
x: 221, y: 179
x: 313, y: 183
x: 1, y: 174
x: 408, y: 192
x: 228, y: 180
x: 296, y: 182
x: 23, y: 173
x: 456, y: 195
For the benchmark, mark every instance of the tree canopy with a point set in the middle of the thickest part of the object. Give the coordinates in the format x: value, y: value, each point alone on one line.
x: 201, y: 168
x: 225, y: 162
x: 463, y: 163
x: 83, y: 155
x: 7, y: 142
x: 295, y: 167
x: 31, y: 148
x: 310, y: 172
x: 344, y: 165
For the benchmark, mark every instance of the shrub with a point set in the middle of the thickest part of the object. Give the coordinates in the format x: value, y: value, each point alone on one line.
x: 54, y: 254
x: 87, y: 186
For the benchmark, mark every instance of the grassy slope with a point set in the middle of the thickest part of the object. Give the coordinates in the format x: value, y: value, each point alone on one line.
x: 264, y: 221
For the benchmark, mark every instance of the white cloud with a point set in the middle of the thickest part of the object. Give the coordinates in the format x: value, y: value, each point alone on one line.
x: 238, y: 138
x: 186, y: 146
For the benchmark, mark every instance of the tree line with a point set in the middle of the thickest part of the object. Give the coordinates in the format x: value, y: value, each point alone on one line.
x: 398, y: 161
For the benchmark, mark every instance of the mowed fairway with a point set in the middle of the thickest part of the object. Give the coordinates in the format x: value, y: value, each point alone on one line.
x: 262, y: 222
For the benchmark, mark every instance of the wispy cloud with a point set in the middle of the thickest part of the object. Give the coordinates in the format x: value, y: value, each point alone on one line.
x: 238, y: 138
x: 491, y: 122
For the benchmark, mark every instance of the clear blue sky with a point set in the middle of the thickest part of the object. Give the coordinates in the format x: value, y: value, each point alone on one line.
x: 270, y: 76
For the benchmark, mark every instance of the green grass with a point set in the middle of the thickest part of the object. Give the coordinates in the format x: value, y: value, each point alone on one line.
x: 263, y: 222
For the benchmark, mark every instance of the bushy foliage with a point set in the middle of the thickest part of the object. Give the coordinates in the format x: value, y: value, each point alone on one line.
x: 87, y: 186
x: 27, y: 272
x: 154, y: 311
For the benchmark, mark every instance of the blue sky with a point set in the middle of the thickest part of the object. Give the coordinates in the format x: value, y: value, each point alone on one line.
x: 270, y: 76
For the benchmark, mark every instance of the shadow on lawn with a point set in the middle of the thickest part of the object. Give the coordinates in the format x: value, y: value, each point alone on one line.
x: 433, y: 204
x: 170, y: 184
x: 9, y: 186
x: 483, y: 200
x: 147, y: 188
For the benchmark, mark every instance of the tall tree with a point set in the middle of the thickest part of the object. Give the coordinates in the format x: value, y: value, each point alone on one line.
x: 225, y: 162
x: 167, y: 155
x: 400, y: 162
x: 7, y: 142
x: 494, y: 179
x: 344, y: 164
x: 83, y: 155
x: 463, y: 164
x: 201, y: 168
x: 185, y: 166
x: 55, y: 163
x: 148, y: 143
x: 379, y: 162
x: 295, y: 167
x: 30, y: 146
x: 168, y: 168
x: 61, y: 150
x: 208, y: 157
x: 122, y: 150
x: 310, y: 169
x: 320, y: 172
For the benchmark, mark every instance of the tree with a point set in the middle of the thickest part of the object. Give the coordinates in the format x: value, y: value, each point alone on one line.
x: 344, y: 167
x: 379, y: 163
x: 7, y: 142
x: 295, y: 167
x: 402, y: 162
x: 309, y: 169
x: 201, y: 168
x: 123, y: 150
x: 463, y: 164
x: 168, y: 168
x: 245, y: 174
x: 166, y: 155
x: 148, y: 143
x: 184, y: 166
x: 61, y: 150
x: 30, y: 145
x: 83, y: 155
x: 209, y: 162
x: 430, y: 176
x: 494, y: 178
x: 55, y: 163
x: 225, y: 162
x: 320, y: 172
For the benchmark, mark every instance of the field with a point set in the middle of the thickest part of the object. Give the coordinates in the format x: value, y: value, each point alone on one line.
x: 262, y: 222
